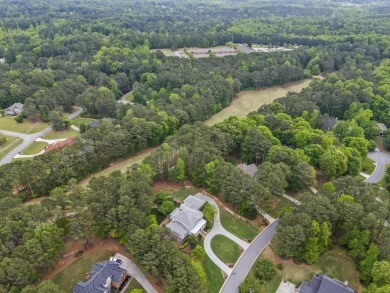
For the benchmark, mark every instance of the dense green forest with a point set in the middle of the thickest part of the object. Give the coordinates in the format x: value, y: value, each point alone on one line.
x: 62, y: 54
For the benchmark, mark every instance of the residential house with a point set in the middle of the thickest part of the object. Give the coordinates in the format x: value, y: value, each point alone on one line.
x: 104, y: 276
x: 187, y: 219
x: 324, y: 284
x: 248, y: 169
x: 15, y: 109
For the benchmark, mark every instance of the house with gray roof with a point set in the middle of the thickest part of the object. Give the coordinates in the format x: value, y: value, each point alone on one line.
x: 248, y: 169
x: 104, y: 276
x: 187, y: 219
x: 324, y: 284
x: 15, y: 109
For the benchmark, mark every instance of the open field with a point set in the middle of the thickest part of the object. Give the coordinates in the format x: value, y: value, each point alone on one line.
x: 335, y: 263
x: 75, y: 272
x: 78, y: 121
x: 9, y: 123
x: 120, y: 165
x: 34, y: 148
x: 226, y: 250
x: 249, y: 101
x: 237, y: 226
x: 368, y: 165
x: 11, y: 143
x: 62, y: 134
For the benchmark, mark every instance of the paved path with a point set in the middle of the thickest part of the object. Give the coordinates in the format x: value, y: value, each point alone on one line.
x: 293, y: 200
x: 218, y: 229
x: 50, y: 141
x: 135, y: 272
x: 247, y: 258
x: 18, y: 156
x: 28, y: 139
x: 381, y: 159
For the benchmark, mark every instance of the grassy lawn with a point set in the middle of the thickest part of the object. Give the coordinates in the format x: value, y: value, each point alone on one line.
x: 134, y: 285
x: 78, y: 121
x: 383, y: 183
x: 182, y: 193
x: 226, y: 250
x: 9, y: 123
x: 237, y: 226
x: 248, y: 101
x: 34, y: 148
x: 11, y: 142
x: 283, y: 205
x: 75, y: 272
x: 368, y: 165
x: 335, y: 263
x: 214, y: 276
x: 62, y: 134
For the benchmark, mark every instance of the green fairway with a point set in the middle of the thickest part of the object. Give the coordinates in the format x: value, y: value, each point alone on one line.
x: 75, y: 272
x: 9, y: 123
x: 11, y: 143
x: 226, y: 250
x: 62, y: 134
x: 237, y: 226
x: 248, y: 101
x: 34, y: 148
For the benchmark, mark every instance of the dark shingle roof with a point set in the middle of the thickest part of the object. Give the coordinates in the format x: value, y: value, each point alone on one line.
x: 324, y: 284
x: 101, y: 272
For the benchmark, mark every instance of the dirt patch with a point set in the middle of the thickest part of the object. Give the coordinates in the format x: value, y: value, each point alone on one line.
x: 169, y: 187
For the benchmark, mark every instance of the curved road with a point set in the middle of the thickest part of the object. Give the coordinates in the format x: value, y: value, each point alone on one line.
x: 247, y: 258
x: 28, y: 139
x: 381, y: 159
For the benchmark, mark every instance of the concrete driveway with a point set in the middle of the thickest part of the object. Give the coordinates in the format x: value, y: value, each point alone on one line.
x: 218, y: 229
x: 381, y: 159
x: 135, y: 272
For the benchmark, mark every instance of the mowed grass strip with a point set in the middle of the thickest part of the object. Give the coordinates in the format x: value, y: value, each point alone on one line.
x: 34, y: 148
x: 78, y: 121
x: 11, y: 143
x: 9, y: 123
x: 248, y: 101
x: 368, y: 166
x: 214, y: 276
x: 227, y: 250
x: 237, y: 226
x: 281, y: 208
x: 62, y: 134
x: 76, y: 271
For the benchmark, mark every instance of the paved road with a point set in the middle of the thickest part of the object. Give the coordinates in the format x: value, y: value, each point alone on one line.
x: 381, y: 159
x: 218, y: 229
x: 248, y: 257
x: 28, y: 139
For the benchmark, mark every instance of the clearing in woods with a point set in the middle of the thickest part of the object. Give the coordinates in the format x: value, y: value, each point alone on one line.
x: 249, y: 101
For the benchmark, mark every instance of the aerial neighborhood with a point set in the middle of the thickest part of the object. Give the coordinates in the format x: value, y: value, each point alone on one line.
x: 195, y: 146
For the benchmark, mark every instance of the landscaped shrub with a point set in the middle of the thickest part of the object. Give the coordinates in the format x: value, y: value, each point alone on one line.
x: 193, y: 241
x: 264, y: 269
x: 167, y: 207
x: 280, y: 266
